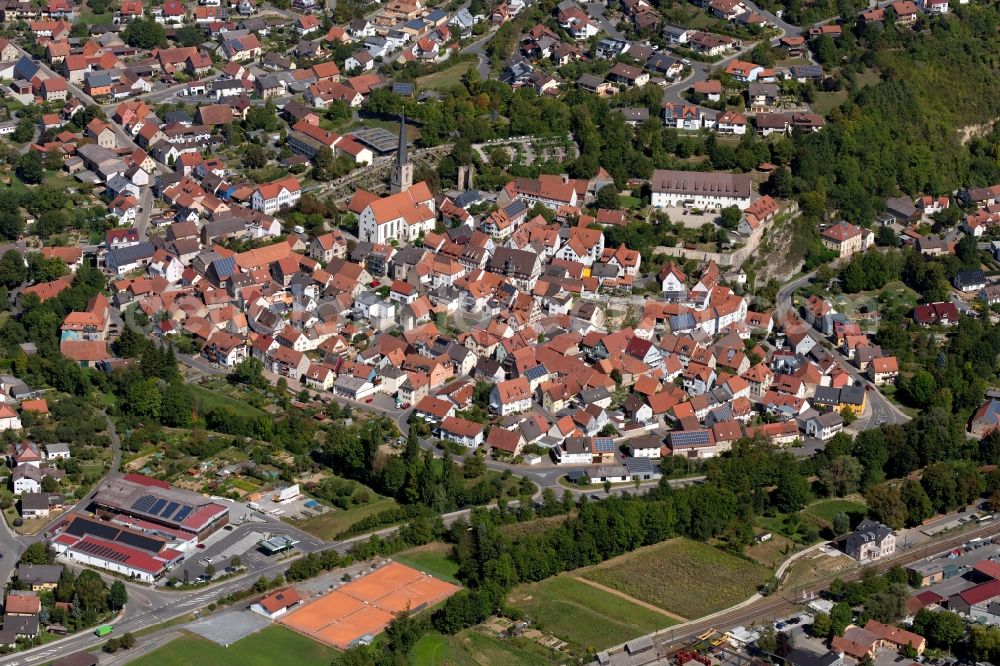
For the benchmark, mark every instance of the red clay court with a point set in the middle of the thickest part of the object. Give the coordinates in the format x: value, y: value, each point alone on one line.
x: 367, y: 605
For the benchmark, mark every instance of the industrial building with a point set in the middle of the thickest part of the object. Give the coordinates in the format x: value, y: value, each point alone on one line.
x: 108, y: 546
x: 156, y: 503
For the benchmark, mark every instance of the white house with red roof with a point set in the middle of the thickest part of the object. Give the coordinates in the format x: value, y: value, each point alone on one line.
x: 511, y: 396
x: 306, y: 24
x: 277, y: 603
x: 271, y: 197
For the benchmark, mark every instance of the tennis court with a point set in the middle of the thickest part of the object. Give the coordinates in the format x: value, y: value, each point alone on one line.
x: 365, y: 606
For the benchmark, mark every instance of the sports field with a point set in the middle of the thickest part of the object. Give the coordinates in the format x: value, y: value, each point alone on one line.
x: 684, y: 577
x: 271, y: 645
x: 367, y: 605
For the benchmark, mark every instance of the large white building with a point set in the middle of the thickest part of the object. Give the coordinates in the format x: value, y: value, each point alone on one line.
x: 269, y: 198
x: 715, y: 189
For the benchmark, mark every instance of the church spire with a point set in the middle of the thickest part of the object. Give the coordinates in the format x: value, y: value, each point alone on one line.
x: 401, y: 155
x: 402, y: 172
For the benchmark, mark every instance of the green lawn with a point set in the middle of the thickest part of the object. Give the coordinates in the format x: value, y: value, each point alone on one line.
x: 434, y: 558
x: 630, y: 202
x: 826, y: 510
x: 333, y: 522
x: 90, y: 18
x: 473, y: 648
x: 272, y: 645
x: 680, y: 576
x: 210, y: 399
x: 825, y: 102
x: 446, y: 78
x: 582, y: 615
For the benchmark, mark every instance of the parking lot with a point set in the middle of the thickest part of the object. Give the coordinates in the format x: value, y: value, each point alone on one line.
x: 243, y: 541
x: 689, y: 218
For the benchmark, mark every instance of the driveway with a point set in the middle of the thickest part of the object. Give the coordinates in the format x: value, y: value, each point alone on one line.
x: 596, y: 10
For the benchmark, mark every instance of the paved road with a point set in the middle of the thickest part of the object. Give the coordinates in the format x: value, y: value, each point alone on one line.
x: 145, y: 210
x: 10, y: 551
x: 478, y: 49
x: 781, y: 24
x: 167, y: 93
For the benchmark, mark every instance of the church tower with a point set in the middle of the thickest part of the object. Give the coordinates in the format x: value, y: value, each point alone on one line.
x: 402, y: 172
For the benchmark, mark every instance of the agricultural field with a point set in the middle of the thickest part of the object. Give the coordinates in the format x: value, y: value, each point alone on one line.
x: 474, y: 648
x: 683, y: 577
x: 271, y: 645
x: 583, y: 615
x: 434, y: 559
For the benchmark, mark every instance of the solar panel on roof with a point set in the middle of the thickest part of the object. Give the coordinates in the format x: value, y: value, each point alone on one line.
x: 140, y: 541
x: 604, y: 444
x: 168, y: 510
x: 82, y: 527
x: 143, y: 503
x: 639, y: 465
x: 535, y: 372
x: 691, y: 438
x: 183, y: 513
x: 157, y: 507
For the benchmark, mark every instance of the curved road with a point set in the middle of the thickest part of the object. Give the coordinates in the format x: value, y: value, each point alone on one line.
x: 882, y: 411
